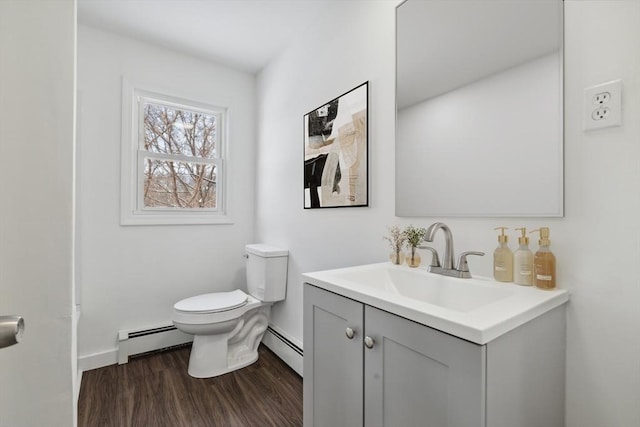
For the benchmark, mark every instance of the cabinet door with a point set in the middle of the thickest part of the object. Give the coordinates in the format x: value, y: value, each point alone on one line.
x: 418, y: 376
x: 333, y: 362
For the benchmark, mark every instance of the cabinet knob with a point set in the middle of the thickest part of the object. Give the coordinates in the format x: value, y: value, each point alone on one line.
x: 368, y: 342
x: 350, y: 333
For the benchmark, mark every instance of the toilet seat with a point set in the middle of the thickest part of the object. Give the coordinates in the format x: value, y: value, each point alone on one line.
x: 203, y: 317
x: 212, y: 303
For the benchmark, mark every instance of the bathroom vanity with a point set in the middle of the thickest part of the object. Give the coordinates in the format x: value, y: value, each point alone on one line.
x: 385, y: 345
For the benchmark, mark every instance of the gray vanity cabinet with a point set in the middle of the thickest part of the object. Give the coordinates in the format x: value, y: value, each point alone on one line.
x: 367, y: 367
x: 333, y: 362
x: 418, y: 376
x: 391, y: 372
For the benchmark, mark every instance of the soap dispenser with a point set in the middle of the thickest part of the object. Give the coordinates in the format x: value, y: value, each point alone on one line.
x: 523, y: 261
x: 503, y: 259
x: 544, y: 262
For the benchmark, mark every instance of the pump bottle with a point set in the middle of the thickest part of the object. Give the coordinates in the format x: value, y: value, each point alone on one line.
x: 503, y: 259
x: 544, y: 262
x: 523, y: 261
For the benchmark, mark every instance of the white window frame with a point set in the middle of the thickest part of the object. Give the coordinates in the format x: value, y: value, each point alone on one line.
x: 133, y: 211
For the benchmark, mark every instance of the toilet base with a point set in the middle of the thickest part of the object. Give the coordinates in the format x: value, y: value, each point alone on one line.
x: 214, y: 355
x: 203, y: 370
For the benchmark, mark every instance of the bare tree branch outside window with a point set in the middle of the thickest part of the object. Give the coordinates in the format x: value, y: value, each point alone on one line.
x: 179, y: 182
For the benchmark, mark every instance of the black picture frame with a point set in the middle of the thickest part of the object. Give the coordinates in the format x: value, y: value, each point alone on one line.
x: 336, y: 152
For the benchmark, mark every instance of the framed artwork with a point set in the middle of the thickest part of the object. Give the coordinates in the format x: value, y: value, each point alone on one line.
x: 336, y: 152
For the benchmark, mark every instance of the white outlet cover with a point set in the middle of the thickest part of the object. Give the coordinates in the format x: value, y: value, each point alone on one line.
x: 606, y: 96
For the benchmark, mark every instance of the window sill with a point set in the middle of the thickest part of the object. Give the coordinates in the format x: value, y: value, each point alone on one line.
x: 175, y: 219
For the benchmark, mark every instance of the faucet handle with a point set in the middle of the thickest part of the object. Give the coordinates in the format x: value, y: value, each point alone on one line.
x: 463, y: 266
x: 435, y: 260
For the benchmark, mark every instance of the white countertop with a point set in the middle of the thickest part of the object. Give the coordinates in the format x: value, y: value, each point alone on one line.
x: 465, y: 312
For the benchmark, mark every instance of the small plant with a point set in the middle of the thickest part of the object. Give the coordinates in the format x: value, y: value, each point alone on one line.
x: 397, y: 240
x: 414, y: 235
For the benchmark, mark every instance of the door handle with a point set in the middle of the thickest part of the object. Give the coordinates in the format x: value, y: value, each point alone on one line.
x: 11, y: 330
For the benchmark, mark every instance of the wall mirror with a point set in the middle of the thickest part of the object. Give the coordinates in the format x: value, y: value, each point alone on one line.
x: 479, y: 108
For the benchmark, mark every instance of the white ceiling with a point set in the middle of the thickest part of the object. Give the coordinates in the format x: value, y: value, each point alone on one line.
x: 243, y: 34
x: 460, y: 36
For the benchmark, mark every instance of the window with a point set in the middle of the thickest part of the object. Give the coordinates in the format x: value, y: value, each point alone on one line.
x: 173, y: 157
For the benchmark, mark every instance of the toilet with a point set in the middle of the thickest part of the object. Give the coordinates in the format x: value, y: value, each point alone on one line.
x: 228, y: 326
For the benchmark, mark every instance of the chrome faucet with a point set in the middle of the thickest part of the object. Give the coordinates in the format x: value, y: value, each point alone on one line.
x: 447, y: 269
x: 448, y: 241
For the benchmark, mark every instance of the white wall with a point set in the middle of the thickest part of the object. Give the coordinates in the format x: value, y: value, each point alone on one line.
x: 131, y: 276
x: 601, y: 234
x: 356, y: 46
x: 597, y: 244
x: 37, y: 73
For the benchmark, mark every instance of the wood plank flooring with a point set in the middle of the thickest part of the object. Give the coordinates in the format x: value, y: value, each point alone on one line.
x: 156, y: 391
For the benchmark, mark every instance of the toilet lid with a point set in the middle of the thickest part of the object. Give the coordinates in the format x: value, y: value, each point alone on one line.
x: 211, y: 303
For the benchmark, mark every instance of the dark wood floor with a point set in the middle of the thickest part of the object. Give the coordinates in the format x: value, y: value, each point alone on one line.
x: 156, y: 391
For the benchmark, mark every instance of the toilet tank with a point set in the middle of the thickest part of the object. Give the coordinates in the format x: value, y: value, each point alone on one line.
x: 266, y: 272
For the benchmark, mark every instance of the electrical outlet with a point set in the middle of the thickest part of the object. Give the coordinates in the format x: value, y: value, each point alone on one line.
x: 603, y: 105
x: 601, y: 113
x: 601, y: 98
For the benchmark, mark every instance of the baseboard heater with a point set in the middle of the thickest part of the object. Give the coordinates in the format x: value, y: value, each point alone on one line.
x: 137, y: 342
x: 141, y: 341
x: 285, y: 341
x: 283, y: 347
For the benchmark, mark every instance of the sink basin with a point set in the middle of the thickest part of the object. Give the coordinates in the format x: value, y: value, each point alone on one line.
x: 455, y: 294
x: 478, y: 309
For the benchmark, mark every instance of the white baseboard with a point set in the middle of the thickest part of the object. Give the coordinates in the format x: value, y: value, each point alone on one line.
x: 285, y: 347
x: 98, y: 360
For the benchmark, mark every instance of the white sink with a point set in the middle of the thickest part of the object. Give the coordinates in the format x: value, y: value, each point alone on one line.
x: 455, y: 294
x: 478, y: 309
